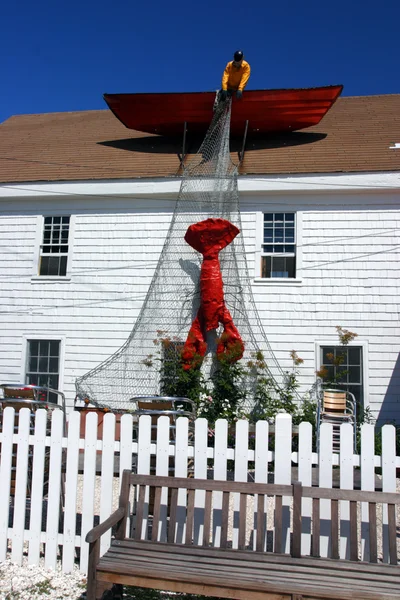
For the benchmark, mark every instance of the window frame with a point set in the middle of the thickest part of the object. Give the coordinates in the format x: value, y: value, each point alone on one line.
x: 27, y: 337
x: 36, y: 277
x: 259, y: 253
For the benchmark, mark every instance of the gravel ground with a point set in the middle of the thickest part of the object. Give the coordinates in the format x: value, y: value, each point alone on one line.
x: 29, y: 582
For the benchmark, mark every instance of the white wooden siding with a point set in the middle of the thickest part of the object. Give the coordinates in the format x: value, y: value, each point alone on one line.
x: 348, y: 257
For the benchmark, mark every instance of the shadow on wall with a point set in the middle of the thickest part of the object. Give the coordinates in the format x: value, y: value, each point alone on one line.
x: 390, y: 408
x: 159, y: 144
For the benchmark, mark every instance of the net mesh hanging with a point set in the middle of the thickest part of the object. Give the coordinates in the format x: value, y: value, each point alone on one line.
x: 209, y: 189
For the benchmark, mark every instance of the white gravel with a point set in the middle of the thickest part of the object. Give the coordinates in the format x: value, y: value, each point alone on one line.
x: 32, y: 582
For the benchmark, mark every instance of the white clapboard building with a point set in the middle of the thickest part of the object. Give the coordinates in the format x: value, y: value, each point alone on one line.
x: 85, y: 205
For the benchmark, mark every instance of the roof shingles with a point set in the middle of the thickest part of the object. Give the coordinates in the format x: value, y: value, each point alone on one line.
x: 355, y: 136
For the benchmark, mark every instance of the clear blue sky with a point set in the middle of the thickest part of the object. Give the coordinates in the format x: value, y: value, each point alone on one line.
x: 62, y: 56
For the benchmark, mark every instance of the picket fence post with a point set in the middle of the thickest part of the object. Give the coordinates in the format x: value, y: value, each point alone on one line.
x: 283, y: 470
x: 305, y: 477
x: 38, y: 472
x: 89, y: 484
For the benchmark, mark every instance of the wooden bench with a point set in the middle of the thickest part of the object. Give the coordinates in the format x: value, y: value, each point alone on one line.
x: 249, y: 572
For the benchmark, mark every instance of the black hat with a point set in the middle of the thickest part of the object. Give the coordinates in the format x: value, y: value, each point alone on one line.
x: 238, y: 55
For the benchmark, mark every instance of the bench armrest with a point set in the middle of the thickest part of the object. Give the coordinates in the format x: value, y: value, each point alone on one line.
x: 98, y: 531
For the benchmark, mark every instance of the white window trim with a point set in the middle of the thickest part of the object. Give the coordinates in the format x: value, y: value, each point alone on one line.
x: 259, y: 242
x: 38, y: 242
x: 52, y: 337
x: 356, y: 343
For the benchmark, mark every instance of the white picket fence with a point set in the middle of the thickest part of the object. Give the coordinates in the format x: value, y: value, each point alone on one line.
x: 41, y: 456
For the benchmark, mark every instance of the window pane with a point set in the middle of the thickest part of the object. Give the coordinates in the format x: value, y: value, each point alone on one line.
x: 48, y: 220
x: 266, y: 266
x: 268, y: 235
x: 49, y: 265
x: 289, y: 217
x: 43, y: 348
x: 34, y: 348
x: 53, y: 365
x: 65, y: 220
x: 268, y: 217
x: 354, y: 356
x: 354, y: 374
x: 289, y: 235
x: 54, y: 348
x: 57, y: 220
x: 33, y: 364
x: 278, y: 217
x: 43, y: 364
x: 63, y: 265
x: 341, y: 357
x: 327, y: 355
x: 291, y: 266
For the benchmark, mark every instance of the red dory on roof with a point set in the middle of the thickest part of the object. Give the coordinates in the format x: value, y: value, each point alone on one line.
x: 267, y: 111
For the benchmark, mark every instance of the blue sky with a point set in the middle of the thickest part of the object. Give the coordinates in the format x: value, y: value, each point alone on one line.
x: 62, y: 56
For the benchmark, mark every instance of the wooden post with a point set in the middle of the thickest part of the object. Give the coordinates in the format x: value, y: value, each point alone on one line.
x: 296, y: 542
x: 94, y: 555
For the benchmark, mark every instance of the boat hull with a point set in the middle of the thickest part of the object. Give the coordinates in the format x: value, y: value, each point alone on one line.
x: 268, y: 111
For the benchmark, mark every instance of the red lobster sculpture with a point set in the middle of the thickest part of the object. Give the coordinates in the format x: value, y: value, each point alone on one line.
x: 209, y: 238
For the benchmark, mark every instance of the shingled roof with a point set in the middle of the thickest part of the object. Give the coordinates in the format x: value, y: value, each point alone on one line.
x: 355, y: 136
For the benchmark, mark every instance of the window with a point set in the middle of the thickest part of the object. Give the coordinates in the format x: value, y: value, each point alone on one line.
x: 170, y: 367
x: 54, y: 247
x: 43, y: 364
x: 278, y: 252
x: 343, y: 368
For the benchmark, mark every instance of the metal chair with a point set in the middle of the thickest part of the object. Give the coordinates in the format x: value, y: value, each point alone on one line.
x: 336, y: 406
x: 172, y: 407
x: 34, y: 397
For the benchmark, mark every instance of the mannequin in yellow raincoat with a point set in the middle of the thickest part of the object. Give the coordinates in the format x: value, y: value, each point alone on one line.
x: 235, y: 77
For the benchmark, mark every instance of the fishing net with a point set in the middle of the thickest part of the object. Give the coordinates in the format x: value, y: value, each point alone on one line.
x: 209, y: 189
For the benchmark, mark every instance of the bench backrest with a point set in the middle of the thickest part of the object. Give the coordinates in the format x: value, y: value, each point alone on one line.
x: 180, y: 503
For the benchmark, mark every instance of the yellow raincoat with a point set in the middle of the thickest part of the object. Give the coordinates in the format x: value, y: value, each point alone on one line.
x: 235, y: 78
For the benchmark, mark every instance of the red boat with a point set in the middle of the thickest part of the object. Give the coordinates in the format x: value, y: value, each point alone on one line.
x: 267, y: 111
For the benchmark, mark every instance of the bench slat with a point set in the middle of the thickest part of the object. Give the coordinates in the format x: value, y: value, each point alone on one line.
x: 316, y: 528
x: 261, y: 522
x: 190, y: 517
x: 198, y: 554
x: 335, y: 528
x: 296, y: 542
x: 373, y: 552
x: 156, y: 514
x: 278, y: 525
x: 242, y: 521
x: 172, y: 515
x: 207, y: 518
x: 224, y: 519
x: 231, y: 572
x: 353, y: 531
x: 392, y: 534
x: 281, y: 580
x: 139, y: 513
